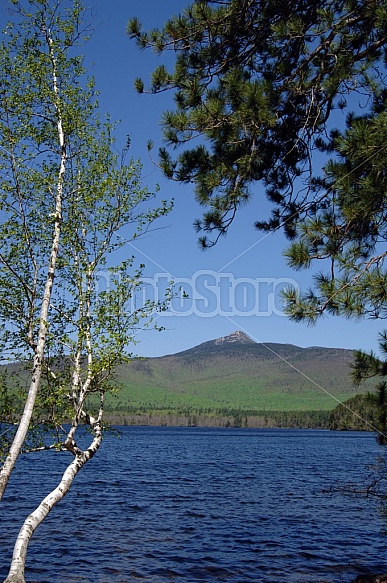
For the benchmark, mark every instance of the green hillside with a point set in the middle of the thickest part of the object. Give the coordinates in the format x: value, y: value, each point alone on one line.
x: 237, y: 373
x: 234, y: 381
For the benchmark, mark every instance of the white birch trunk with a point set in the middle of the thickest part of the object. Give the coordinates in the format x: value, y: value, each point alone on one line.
x: 16, y: 572
x: 21, y: 433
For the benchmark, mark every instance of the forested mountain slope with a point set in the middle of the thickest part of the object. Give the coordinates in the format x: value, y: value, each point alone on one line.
x: 235, y: 372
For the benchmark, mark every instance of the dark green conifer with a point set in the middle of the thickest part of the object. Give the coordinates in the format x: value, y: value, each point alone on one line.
x: 255, y: 84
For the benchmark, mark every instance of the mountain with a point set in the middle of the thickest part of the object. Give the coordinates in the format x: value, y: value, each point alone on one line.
x: 235, y: 372
x: 232, y: 341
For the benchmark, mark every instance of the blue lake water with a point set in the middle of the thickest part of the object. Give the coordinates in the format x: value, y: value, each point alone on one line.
x: 191, y: 505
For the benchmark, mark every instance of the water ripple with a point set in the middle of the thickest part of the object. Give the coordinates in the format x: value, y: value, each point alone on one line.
x: 191, y: 505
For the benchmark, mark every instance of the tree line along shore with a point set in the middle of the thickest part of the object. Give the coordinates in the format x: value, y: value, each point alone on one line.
x: 357, y: 414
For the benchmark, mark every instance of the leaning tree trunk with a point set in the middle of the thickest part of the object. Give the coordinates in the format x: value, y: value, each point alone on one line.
x: 16, y: 572
x: 22, y: 429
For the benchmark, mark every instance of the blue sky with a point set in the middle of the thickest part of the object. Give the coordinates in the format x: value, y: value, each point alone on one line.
x: 234, y: 283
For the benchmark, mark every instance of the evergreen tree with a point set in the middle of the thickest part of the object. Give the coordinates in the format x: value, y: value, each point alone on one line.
x: 255, y: 85
x: 348, y: 233
x: 368, y: 365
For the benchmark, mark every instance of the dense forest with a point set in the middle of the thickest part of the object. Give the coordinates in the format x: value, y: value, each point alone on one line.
x: 359, y: 413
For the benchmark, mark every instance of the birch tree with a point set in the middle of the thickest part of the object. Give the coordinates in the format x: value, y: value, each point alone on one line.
x: 69, y: 203
x: 93, y: 314
x: 37, y: 102
x: 64, y: 194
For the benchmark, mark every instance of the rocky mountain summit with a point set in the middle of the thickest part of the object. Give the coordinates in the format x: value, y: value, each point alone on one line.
x: 235, y: 337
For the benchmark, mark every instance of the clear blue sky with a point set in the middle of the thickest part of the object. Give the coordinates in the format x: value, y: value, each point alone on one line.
x: 233, y: 282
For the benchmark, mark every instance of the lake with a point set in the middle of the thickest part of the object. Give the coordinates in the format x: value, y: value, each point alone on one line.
x: 191, y: 505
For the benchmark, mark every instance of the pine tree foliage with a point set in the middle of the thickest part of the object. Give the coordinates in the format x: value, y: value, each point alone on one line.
x: 368, y: 365
x: 255, y: 84
x: 348, y: 232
